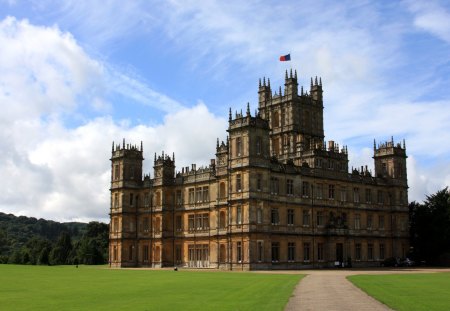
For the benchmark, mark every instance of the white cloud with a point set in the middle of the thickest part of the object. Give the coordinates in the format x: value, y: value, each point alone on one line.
x: 432, y: 17
x: 59, y: 172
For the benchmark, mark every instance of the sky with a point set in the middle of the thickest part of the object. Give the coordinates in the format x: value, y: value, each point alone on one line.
x: 77, y: 75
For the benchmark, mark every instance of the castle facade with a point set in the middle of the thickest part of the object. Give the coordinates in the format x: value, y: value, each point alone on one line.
x: 276, y: 196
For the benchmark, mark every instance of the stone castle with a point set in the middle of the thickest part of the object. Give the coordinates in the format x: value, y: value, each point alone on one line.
x: 276, y: 196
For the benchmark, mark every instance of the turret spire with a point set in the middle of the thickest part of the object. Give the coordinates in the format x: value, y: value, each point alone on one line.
x: 229, y: 115
x: 248, y: 109
x: 286, y: 75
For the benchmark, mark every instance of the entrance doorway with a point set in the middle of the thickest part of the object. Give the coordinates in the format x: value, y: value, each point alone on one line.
x: 339, y: 252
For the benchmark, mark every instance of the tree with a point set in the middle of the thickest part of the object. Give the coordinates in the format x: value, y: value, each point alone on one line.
x: 60, y: 252
x: 430, y: 226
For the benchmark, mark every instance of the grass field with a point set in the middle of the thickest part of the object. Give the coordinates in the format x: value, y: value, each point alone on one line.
x: 100, y: 288
x: 430, y: 292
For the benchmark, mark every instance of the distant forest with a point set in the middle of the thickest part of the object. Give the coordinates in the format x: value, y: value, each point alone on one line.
x: 27, y: 240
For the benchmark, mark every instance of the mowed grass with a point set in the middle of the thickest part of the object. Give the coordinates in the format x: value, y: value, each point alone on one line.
x: 100, y: 288
x: 408, y: 291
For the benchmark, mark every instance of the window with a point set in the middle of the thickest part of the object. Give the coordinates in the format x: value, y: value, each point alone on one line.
x: 238, y: 146
x: 238, y: 183
x: 319, y: 191
x: 401, y: 197
x: 206, y: 194
x: 305, y: 189
x: 145, y: 252
x: 291, y: 251
x: 357, y: 221
x: 274, y: 187
x: 306, y: 218
x: 384, y: 168
x: 290, y: 217
x: 306, y: 256
x: 239, y: 215
x: 179, y: 198
x: 275, y: 220
x: 146, y: 224
x: 368, y: 196
x: 146, y: 199
x: 222, y: 192
x: 289, y: 187
x: 116, y: 200
x: 131, y: 199
x: 258, y: 145
x: 116, y: 172
x: 222, y: 220
x: 191, y: 195
x: 130, y: 252
x: 369, y: 221
x: 198, y: 195
x: 191, y: 222
x: 380, y: 197
x: 357, y: 251
x: 320, y: 251
x: 275, y: 251
x: 157, y: 226
x: 259, y: 216
x: 275, y: 119
x: 116, y: 225
x: 370, y: 251
x: 382, y: 251
x: 319, y: 163
x: 331, y: 192
x: 178, y: 254
x: 179, y: 223
x: 258, y: 182
x: 381, y: 222
x: 356, y: 195
x: 320, y: 219
x: 260, y: 247
x: 239, y: 251
x: 158, y: 198
x: 115, y: 253
x: 344, y: 194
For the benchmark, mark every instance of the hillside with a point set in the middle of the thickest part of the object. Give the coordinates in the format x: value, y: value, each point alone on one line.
x: 29, y: 240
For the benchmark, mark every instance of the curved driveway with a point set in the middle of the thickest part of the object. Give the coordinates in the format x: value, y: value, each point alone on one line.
x: 330, y: 290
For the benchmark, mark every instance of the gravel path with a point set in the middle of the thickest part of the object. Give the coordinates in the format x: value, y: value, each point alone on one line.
x: 330, y: 290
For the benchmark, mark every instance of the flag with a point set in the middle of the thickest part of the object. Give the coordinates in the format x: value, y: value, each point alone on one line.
x: 285, y: 58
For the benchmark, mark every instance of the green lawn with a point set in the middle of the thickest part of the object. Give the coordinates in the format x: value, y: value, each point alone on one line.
x: 408, y: 291
x: 100, y: 288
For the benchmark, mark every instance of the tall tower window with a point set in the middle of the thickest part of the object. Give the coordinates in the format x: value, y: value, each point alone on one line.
x: 275, y: 120
x: 239, y: 215
x: 258, y: 145
x: 238, y: 183
x: 116, y: 172
x: 238, y: 146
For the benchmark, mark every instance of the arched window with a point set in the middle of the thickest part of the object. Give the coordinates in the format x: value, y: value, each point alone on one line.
x: 222, y: 191
x: 222, y: 220
x: 275, y: 119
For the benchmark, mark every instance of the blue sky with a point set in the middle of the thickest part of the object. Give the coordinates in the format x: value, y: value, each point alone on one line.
x: 76, y: 75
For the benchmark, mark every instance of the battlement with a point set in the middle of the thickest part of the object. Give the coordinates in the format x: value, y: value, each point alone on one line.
x: 248, y: 120
x: 389, y: 148
x: 164, y: 160
x: 129, y: 150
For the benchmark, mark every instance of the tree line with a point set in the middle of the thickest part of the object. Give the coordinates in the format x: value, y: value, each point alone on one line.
x: 27, y: 240
x: 430, y: 228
